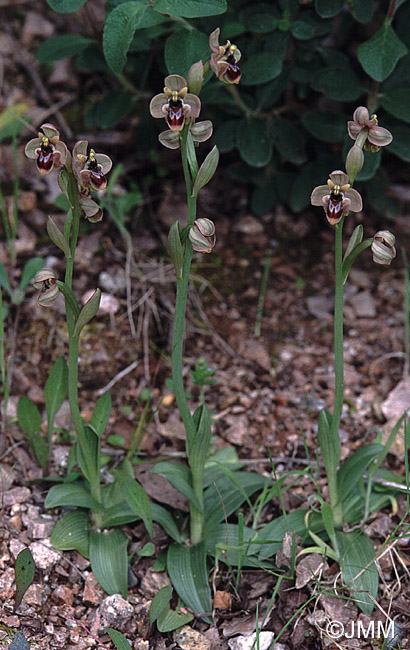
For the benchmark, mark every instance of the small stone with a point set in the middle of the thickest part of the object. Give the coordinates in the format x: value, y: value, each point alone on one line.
x: 249, y: 642
x: 398, y: 400
x: 63, y: 594
x: 6, y: 584
x: 93, y: 593
x: 189, y: 639
x: 44, y: 556
x: 114, y: 611
x: 16, y: 495
x: 35, y: 595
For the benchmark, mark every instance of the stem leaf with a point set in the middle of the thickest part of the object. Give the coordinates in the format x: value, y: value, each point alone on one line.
x: 206, y: 170
x: 57, y: 237
x: 88, y: 312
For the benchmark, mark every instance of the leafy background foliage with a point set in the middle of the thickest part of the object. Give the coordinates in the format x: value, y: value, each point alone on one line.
x: 301, y: 80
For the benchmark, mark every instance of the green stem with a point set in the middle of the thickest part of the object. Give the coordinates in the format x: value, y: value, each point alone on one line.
x: 338, y: 347
x: 73, y: 341
x: 177, y: 344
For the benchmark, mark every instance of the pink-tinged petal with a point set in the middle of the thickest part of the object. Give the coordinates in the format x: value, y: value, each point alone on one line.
x: 379, y: 136
x: 169, y: 139
x: 57, y: 159
x: 354, y: 129
x: 201, y: 131
x: 339, y: 178
x: 80, y: 149
x: 32, y: 148
x: 356, y: 203
x: 156, y: 105
x: 195, y: 104
x: 213, y: 62
x: 84, y: 177
x: 90, y: 207
x: 104, y: 161
x: 214, y: 40
x: 50, y: 132
x: 316, y: 198
x: 361, y: 116
x: 63, y: 151
x: 175, y: 82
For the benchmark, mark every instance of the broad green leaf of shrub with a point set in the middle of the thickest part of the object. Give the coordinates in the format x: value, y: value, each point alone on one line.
x: 24, y: 569
x: 61, y: 47
x: 308, y: 25
x: 329, y: 8
x: 190, y: 8
x: 362, y: 10
x: 260, y: 68
x: 339, y: 83
x: 289, y: 141
x: 400, y: 145
x: 118, y: 639
x: 183, y: 48
x: 55, y: 390
x: 379, y: 56
x: 356, y: 552
x: 263, y: 198
x: 253, y: 142
x: 225, y: 136
x: 370, y: 166
x: 66, y: 6
x: 119, y: 31
x: 188, y: 572
x: 397, y: 103
x: 325, y: 126
x: 71, y: 532
x: 108, y: 111
x: 109, y: 563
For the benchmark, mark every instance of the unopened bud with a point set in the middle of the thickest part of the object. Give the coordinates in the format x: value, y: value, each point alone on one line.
x: 383, y: 247
x: 195, y: 77
x: 354, y: 162
x: 202, y: 235
x: 45, y: 281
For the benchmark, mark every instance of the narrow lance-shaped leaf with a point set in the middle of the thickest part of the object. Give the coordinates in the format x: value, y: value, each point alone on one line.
x: 101, y: 414
x: 176, y: 250
x: 206, y: 170
x: 108, y: 557
x: 88, y: 312
x: 118, y: 639
x: 24, y: 571
x: 55, y: 390
x: 58, y: 238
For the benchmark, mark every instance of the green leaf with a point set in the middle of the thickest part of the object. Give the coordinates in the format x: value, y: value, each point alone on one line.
x: 28, y: 416
x: 61, y: 47
x: 66, y: 6
x: 190, y: 8
x: 289, y: 141
x: 261, y: 19
x: 88, y: 312
x: 159, y: 603
x: 329, y: 8
x: 55, y: 390
x: 379, y: 56
x: 4, y: 280
x: 327, y: 515
x: 57, y: 236
x: 148, y: 550
x: 119, y: 31
x: 24, y: 569
x: 171, y: 620
x: 223, y: 542
x: 188, y: 572
x: 118, y: 639
x: 400, y: 145
x: 180, y: 478
x: 370, y: 166
x: 308, y: 25
x: 362, y: 10
x: 183, y: 48
x: 34, y: 265
x: 164, y: 518
x: 206, y: 170
x: 353, y: 468
x: 339, y: 83
x: 225, y: 136
x: 253, y: 142
x: 101, y: 414
x: 273, y: 532
x: 137, y: 499
x: 108, y: 111
x: 397, y: 103
x: 176, y: 250
x: 356, y: 552
x: 71, y: 532
x: 109, y: 563
x: 329, y: 446
x: 198, y: 447
x: 70, y: 494
x: 260, y: 68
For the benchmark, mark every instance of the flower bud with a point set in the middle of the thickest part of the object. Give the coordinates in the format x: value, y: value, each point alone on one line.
x: 383, y: 247
x: 354, y: 162
x: 361, y: 115
x: 45, y: 281
x: 195, y: 77
x: 202, y: 235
